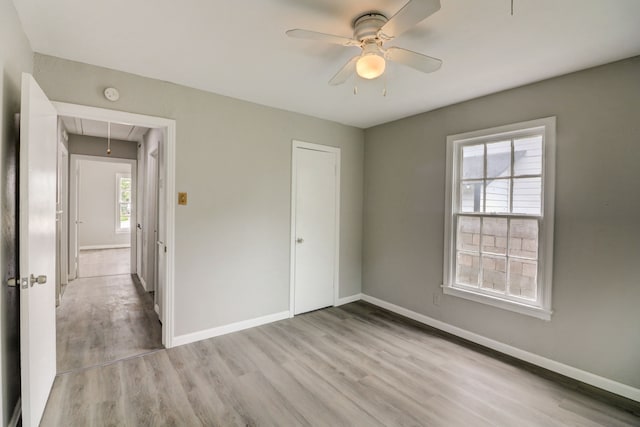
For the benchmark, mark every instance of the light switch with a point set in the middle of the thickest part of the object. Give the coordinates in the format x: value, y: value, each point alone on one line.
x: 182, y: 198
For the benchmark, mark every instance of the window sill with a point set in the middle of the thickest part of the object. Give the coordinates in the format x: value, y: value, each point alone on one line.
x: 529, y: 310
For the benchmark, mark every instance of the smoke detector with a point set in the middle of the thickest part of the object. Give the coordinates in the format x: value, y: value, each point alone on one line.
x: 112, y: 94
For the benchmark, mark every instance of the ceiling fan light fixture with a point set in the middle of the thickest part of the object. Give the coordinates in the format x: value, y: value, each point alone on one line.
x: 370, y: 66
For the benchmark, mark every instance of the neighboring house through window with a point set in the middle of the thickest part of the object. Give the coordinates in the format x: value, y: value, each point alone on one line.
x: 123, y: 203
x: 499, y: 220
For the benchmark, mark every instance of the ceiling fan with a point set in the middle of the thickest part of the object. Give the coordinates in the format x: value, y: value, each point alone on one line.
x: 371, y: 31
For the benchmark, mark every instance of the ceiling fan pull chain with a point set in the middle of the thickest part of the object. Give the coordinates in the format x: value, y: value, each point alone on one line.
x: 511, y: 7
x: 384, y: 88
x: 108, y: 138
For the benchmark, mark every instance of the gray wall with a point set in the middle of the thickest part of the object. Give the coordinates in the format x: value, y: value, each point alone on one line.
x: 596, y: 286
x: 234, y: 160
x: 97, y: 203
x: 15, y: 57
x: 95, y: 146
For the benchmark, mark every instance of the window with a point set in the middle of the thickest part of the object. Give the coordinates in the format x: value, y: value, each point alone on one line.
x: 499, y: 220
x: 123, y: 203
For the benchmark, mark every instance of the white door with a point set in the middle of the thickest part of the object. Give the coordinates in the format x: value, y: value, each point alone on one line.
x: 74, y: 220
x: 162, y: 239
x: 38, y: 144
x: 62, y: 218
x: 140, y: 213
x: 315, y: 228
x: 151, y: 219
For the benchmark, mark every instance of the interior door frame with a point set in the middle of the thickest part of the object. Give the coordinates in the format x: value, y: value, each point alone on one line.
x: 62, y: 240
x: 153, y: 220
x: 168, y: 126
x: 296, y: 144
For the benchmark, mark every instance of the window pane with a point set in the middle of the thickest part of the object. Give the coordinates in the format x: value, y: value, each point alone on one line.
x: 125, y: 215
x: 527, y: 195
x: 468, y: 234
x: 471, y: 196
x: 523, y: 278
x: 494, y: 235
x: 494, y: 272
x: 467, y: 268
x: 527, y: 156
x: 497, y: 196
x: 473, y: 161
x: 499, y: 159
x: 523, y: 238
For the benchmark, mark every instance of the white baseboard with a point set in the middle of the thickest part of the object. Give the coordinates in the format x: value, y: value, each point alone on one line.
x: 227, y: 329
x: 17, y: 412
x: 552, y: 365
x: 143, y: 283
x: 347, y: 300
x: 92, y: 247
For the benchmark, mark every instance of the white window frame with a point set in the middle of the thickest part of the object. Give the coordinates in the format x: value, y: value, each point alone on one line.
x: 119, y: 229
x: 541, y: 308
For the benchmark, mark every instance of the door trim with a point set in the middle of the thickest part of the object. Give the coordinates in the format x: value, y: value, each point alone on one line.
x: 292, y: 263
x: 169, y: 128
x: 74, y: 185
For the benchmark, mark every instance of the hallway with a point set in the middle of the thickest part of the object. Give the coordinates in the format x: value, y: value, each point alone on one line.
x: 103, y: 319
x: 104, y: 262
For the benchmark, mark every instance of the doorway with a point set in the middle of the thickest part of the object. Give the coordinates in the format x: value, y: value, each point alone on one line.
x: 315, y: 225
x: 111, y: 308
x: 62, y: 216
x: 105, y: 314
x: 151, y: 260
x: 102, y: 214
x: 37, y: 230
x: 163, y: 131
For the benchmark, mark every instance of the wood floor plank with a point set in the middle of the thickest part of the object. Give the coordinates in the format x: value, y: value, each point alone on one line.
x: 356, y: 365
x: 103, y: 319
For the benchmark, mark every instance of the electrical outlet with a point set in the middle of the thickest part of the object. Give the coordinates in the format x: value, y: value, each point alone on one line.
x: 436, y: 299
x: 182, y: 198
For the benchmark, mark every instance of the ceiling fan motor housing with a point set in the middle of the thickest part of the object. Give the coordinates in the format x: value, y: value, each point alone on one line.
x: 366, y: 26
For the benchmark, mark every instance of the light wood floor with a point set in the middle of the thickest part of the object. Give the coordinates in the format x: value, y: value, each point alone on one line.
x: 102, y: 319
x: 356, y: 365
x: 104, y: 262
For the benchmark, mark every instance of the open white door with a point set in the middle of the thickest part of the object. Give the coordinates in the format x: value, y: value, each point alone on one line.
x: 162, y: 246
x: 38, y: 145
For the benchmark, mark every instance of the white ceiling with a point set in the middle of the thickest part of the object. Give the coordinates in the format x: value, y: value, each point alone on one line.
x: 239, y: 49
x: 120, y: 131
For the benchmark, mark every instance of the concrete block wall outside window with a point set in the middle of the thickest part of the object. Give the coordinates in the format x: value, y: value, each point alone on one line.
x: 499, y: 220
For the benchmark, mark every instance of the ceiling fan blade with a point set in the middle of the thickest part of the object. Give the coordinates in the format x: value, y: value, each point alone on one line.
x: 346, y: 72
x: 329, y: 38
x: 410, y: 14
x: 412, y: 59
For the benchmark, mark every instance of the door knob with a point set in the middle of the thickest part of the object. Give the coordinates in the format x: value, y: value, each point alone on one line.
x: 300, y: 240
x: 40, y: 280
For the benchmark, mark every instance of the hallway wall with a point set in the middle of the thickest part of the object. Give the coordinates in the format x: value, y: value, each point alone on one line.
x: 98, y: 210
